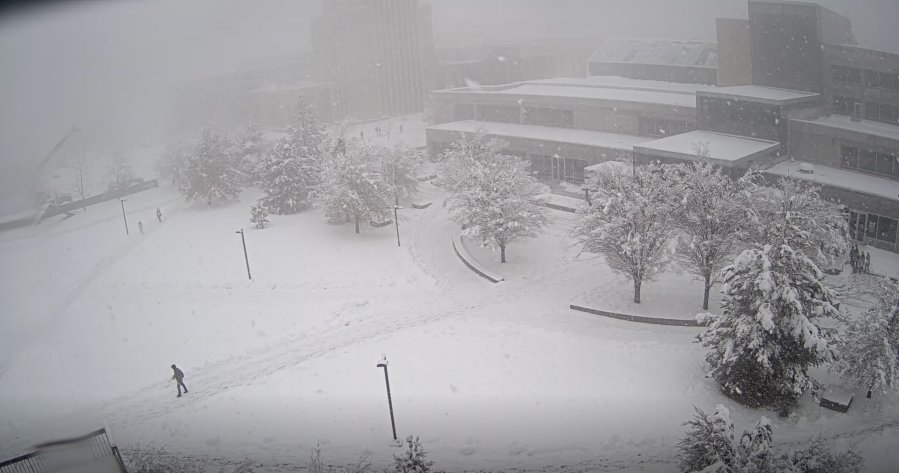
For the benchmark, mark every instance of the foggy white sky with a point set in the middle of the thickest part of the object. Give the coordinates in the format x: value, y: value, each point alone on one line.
x: 101, y: 64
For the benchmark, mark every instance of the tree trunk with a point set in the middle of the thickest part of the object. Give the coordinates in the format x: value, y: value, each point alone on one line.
x: 357, y: 224
x: 637, y: 291
x: 502, y: 254
x: 708, y: 288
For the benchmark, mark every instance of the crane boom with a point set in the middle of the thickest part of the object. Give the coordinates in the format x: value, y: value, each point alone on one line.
x: 55, y: 150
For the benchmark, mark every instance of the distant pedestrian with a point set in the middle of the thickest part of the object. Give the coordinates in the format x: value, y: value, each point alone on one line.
x: 141, y: 226
x: 179, y: 378
x: 868, y: 262
x: 853, y: 259
x: 378, y: 130
x: 159, y: 214
x: 362, y: 134
x: 401, y: 127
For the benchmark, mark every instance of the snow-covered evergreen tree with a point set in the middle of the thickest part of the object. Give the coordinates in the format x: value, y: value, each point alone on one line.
x: 352, y: 186
x: 459, y: 159
x: 793, y: 212
x: 259, y: 215
x: 399, y: 167
x: 209, y: 175
x: 119, y: 173
x: 414, y: 460
x: 289, y: 177
x: 629, y: 221
x: 755, y: 452
x: 768, y: 334
x: 498, y: 203
x: 306, y: 134
x: 869, y: 355
x: 709, y: 220
x: 250, y: 148
x: 708, y: 446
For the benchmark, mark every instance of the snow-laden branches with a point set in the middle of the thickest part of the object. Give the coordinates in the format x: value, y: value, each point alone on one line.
x: 460, y: 158
x: 398, y: 168
x: 869, y: 357
x: 289, y: 177
x: 497, y: 202
x: 353, y: 187
x: 709, y: 219
x: 768, y: 335
x: 629, y: 222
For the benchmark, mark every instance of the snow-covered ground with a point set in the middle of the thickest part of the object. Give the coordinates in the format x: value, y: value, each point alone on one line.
x: 494, y: 376
x: 413, y: 133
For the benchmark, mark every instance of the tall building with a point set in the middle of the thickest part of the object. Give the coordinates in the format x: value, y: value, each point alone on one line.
x: 734, y: 52
x: 376, y: 55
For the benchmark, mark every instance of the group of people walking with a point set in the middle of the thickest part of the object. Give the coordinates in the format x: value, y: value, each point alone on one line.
x: 860, y: 261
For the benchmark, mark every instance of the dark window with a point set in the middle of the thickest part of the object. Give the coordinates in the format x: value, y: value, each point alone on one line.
x: 853, y: 217
x: 872, y: 111
x: 896, y: 167
x: 884, y: 164
x: 867, y: 161
x: 847, y: 74
x: 498, y: 113
x: 549, y: 116
x: 886, y: 229
x: 541, y: 165
x: 872, y: 79
x: 844, y: 105
x: 850, y: 157
x: 871, y: 227
x: 574, y: 169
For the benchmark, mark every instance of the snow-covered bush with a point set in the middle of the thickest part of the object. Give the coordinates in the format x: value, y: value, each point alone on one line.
x: 316, y: 465
x: 709, y: 220
x: 629, y: 221
x: 498, y: 203
x: 306, y: 134
x: 414, y: 460
x: 151, y: 459
x: 709, y: 443
x: 353, y: 187
x: 250, y: 147
x: 709, y: 447
x: 259, y: 214
x: 209, y: 175
x: 869, y: 355
x: 768, y: 334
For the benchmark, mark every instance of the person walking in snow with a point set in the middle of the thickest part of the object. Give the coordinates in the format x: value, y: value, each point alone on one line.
x: 141, y: 226
x: 362, y: 134
x: 868, y: 262
x: 179, y: 378
x: 159, y: 214
x: 401, y: 127
x: 853, y: 259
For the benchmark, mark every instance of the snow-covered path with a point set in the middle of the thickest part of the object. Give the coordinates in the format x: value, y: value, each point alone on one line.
x: 490, y: 375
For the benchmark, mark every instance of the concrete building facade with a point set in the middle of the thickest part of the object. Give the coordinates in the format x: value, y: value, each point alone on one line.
x: 689, y: 62
x: 375, y: 55
x: 734, y: 52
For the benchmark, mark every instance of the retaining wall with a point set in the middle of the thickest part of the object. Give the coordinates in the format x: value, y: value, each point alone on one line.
x: 636, y: 318
x: 472, y: 264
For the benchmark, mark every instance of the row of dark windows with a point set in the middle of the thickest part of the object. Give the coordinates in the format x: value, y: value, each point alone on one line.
x: 871, y: 226
x: 846, y: 105
x: 564, y: 169
x: 882, y: 112
x: 660, y: 128
x: 549, y: 116
x: 882, y: 164
x: 852, y: 75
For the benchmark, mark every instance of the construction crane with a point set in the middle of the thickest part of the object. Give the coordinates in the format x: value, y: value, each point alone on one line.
x: 55, y: 150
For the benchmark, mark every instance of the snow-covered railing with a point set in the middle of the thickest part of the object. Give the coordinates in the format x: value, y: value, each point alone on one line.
x: 636, y: 318
x: 472, y: 264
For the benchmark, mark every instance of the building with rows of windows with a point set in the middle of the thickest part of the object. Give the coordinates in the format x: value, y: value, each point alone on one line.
x: 800, y: 100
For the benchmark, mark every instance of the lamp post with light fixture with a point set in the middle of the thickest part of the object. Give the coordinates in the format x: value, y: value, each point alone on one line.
x: 383, y: 364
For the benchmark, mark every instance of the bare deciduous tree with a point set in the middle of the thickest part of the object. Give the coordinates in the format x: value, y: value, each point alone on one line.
x: 82, y: 184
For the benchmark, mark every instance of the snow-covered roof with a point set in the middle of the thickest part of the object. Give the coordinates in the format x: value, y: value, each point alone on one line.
x: 653, y: 51
x: 626, y: 83
x: 757, y: 93
x: 661, y: 97
x: 535, y: 132
x: 841, y: 178
x: 721, y: 147
x: 868, y: 127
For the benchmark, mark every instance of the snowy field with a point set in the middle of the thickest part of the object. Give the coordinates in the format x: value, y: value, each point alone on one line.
x: 491, y: 376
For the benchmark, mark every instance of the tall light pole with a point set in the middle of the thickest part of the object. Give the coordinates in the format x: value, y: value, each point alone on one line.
x: 396, y: 221
x: 122, y: 201
x: 383, y: 364
x: 245, y: 257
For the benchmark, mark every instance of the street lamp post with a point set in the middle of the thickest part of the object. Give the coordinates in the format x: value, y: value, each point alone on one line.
x: 396, y: 221
x: 122, y: 201
x: 383, y: 364
x: 245, y: 257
